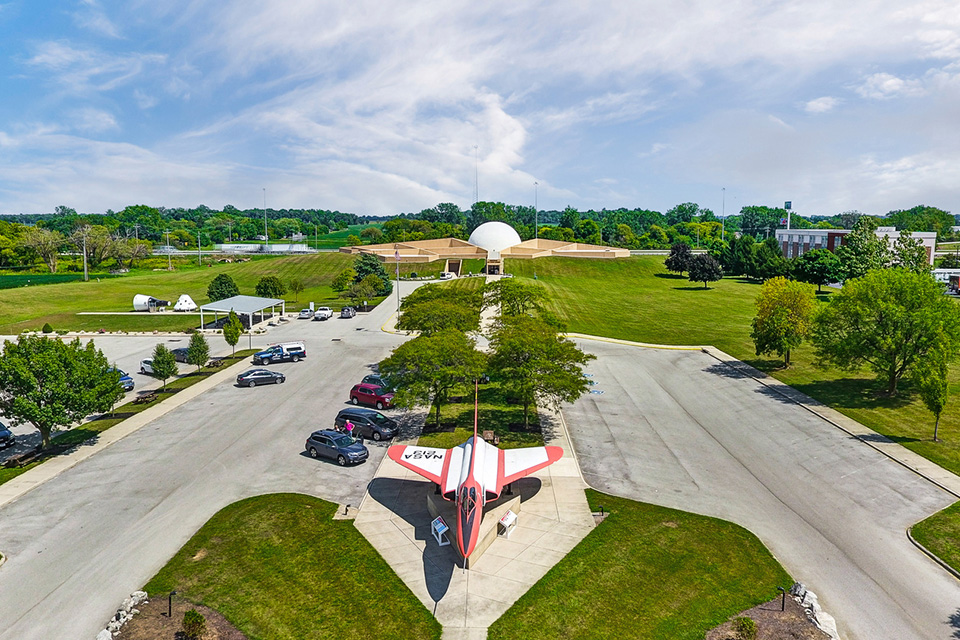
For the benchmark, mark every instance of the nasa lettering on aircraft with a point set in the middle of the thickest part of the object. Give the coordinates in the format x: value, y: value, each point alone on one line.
x: 421, y: 454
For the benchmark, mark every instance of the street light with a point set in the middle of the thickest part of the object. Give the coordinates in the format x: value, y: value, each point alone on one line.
x: 199, y: 255
x: 723, y: 214
x: 476, y: 174
x: 266, y: 236
x: 169, y: 266
x: 536, y: 212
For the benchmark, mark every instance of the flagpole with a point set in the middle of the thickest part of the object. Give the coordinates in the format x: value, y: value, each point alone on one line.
x: 396, y: 255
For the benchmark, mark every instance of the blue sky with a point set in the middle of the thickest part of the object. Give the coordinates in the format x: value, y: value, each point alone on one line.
x: 376, y: 108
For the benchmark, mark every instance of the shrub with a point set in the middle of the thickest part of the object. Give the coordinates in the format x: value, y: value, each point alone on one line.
x: 195, y: 625
x: 745, y: 628
x: 47, y: 328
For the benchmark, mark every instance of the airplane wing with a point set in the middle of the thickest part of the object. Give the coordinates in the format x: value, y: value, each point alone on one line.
x: 441, y: 466
x: 518, y: 463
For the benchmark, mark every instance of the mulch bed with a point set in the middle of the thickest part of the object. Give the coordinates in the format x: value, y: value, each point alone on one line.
x: 773, y: 624
x: 152, y: 622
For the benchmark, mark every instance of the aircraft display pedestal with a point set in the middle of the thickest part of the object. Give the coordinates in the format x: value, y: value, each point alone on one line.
x: 437, y: 506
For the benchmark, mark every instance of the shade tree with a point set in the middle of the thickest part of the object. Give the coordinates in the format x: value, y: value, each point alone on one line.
x: 784, y: 317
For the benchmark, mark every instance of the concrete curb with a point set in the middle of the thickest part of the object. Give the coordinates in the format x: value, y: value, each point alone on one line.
x: 630, y: 343
x: 52, y: 467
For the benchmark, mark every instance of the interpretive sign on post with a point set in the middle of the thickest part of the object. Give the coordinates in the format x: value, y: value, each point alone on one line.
x: 439, y: 529
x: 508, y: 522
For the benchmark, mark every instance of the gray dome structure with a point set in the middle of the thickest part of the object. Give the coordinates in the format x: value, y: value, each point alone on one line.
x: 494, y: 236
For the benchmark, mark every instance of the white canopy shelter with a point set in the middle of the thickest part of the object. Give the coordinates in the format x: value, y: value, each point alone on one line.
x: 243, y: 306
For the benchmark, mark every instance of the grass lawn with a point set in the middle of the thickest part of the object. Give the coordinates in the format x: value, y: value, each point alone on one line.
x: 940, y: 533
x: 646, y: 572
x: 279, y: 567
x: 28, y: 308
x: 636, y: 299
x: 494, y: 413
x: 93, y: 428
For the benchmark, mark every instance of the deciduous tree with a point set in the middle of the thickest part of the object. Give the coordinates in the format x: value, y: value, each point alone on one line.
x: 44, y: 243
x: 819, y: 267
x: 369, y: 264
x: 783, y: 320
x: 931, y: 381
x: 679, y: 259
x: 910, y: 254
x: 232, y: 329
x: 531, y: 361
x: 704, y: 268
x: 891, y: 320
x: 425, y: 369
x: 863, y: 250
x: 48, y: 383
x: 198, y: 351
x: 513, y: 297
x: 271, y: 287
x: 296, y: 288
x: 433, y: 308
x: 164, y: 364
x: 221, y: 288
x: 343, y: 280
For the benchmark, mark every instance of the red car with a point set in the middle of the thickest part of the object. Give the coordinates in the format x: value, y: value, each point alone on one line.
x: 371, y: 394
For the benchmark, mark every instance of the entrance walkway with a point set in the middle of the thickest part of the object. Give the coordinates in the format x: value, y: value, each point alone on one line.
x: 554, y: 517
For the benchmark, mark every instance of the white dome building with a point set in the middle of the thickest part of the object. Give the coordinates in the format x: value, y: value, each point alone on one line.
x: 494, y: 236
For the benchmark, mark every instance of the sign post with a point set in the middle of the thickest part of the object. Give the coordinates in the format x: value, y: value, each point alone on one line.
x: 439, y: 529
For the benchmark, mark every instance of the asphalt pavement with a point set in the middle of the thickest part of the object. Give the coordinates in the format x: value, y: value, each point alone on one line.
x: 82, y: 541
x: 681, y: 429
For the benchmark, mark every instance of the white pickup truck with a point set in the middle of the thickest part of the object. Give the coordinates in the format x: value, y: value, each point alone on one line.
x: 323, y: 313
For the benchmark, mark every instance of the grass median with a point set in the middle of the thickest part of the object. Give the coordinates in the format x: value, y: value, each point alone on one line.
x: 66, y: 441
x: 646, y: 572
x: 279, y: 567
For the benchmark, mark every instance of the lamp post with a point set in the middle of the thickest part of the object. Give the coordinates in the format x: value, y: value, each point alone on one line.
x: 723, y: 214
x: 199, y: 255
x: 266, y: 236
x: 476, y: 174
x: 169, y: 265
x: 536, y: 212
x: 170, y: 604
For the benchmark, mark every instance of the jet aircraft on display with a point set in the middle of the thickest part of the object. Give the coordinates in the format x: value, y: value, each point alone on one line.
x: 471, y: 474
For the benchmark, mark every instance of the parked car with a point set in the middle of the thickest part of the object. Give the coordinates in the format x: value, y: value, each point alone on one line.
x: 377, y: 380
x: 323, y: 313
x: 180, y: 354
x: 253, y: 377
x: 146, y: 366
x: 7, y: 439
x: 447, y: 275
x: 305, y: 314
x: 379, y: 397
x: 336, y: 446
x: 283, y: 352
x: 348, y: 312
x: 125, y: 380
x: 367, y: 423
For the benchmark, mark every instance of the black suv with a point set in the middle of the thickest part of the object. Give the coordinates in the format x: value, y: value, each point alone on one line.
x: 367, y: 423
x: 7, y: 439
x: 336, y: 446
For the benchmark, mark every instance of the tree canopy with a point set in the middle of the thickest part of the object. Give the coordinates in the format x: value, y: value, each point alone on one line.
x: 271, y: 287
x: 425, y: 369
x: 222, y: 287
x: 164, y: 363
x: 819, y: 267
x: 368, y: 264
x: 704, y: 268
x: 784, y: 314
x: 679, y: 259
x: 433, y: 308
x: 532, y: 361
x: 198, y: 351
x: 49, y: 383
x: 232, y: 329
x: 891, y: 320
x: 513, y: 297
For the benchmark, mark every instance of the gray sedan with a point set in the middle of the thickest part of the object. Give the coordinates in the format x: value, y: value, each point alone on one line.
x: 253, y: 377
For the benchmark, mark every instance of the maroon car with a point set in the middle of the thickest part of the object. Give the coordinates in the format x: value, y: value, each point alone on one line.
x: 372, y: 395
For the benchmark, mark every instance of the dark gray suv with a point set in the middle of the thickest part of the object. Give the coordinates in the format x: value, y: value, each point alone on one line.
x: 336, y: 446
x: 367, y: 423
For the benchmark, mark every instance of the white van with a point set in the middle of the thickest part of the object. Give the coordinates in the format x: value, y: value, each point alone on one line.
x: 447, y: 275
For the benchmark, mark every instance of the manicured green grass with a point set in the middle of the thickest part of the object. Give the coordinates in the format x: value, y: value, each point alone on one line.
x: 84, y: 432
x: 494, y: 413
x: 636, y: 299
x: 12, y: 280
x: 28, y: 308
x: 337, y: 239
x: 279, y: 567
x: 646, y: 572
x: 940, y: 534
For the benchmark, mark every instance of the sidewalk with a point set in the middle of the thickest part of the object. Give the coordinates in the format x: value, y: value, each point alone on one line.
x: 49, y: 469
x: 553, y: 519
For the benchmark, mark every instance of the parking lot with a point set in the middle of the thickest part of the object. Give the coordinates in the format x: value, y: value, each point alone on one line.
x: 80, y: 543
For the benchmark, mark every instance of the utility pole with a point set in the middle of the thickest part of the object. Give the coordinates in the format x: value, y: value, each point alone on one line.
x: 136, y: 230
x: 476, y: 174
x: 199, y: 255
x: 266, y: 236
x: 536, y: 212
x: 169, y: 265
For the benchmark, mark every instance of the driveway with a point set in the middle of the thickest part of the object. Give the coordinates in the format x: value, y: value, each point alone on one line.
x: 80, y: 543
x: 679, y: 429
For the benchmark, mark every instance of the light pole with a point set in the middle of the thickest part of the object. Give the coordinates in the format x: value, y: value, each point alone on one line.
x: 169, y: 265
x: 536, y: 212
x: 266, y: 236
x: 230, y: 232
x: 199, y: 255
x: 86, y: 277
x: 316, y: 236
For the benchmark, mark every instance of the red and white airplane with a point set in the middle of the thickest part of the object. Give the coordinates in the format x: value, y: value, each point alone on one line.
x: 473, y: 473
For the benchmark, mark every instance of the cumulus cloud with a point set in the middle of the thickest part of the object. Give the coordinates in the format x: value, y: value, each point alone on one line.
x: 821, y: 105
x: 93, y: 121
x: 881, y: 86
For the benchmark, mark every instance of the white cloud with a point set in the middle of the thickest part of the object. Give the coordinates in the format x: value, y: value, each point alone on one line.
x: 93, y: 121
x: 821, y: 105
x: 90, y: 16
x: 881, y: 86
x: 143, y: 99
x: 86, y: 70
